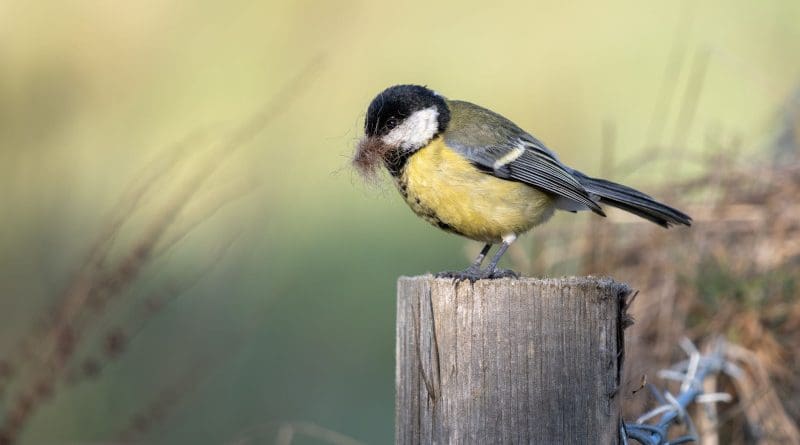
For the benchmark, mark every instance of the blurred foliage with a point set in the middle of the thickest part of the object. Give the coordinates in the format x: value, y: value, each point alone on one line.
x: 294, y: 322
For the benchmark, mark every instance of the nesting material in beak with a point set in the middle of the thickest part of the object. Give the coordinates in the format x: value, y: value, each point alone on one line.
x: 369, y: 156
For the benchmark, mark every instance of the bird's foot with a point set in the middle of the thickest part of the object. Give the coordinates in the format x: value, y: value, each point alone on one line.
x: 503, y: 273
x: 471, y: 273
x: 474, y: 274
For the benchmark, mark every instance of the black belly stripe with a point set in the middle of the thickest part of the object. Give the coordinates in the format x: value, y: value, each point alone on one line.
x: 403, y: 187
x: 430, y: 215
x: 444, y: 226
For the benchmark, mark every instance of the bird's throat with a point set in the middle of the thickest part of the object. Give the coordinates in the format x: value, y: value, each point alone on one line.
x: 396, y: 159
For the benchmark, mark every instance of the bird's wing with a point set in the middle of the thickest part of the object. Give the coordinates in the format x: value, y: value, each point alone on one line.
x: 498, y: 147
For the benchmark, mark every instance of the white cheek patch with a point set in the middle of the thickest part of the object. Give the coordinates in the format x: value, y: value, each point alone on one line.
x: 415, y: 131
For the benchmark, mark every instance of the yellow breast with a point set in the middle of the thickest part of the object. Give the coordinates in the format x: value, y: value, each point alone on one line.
x: 448, y: 191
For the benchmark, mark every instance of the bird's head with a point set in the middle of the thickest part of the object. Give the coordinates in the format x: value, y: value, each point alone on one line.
x: 406, y: 116
x: 400, y: 120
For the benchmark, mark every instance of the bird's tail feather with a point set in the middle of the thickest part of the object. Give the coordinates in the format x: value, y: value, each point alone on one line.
x: 633, y: 201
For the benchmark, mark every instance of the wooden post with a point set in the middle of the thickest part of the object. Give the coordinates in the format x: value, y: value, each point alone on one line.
x: 509, y: 361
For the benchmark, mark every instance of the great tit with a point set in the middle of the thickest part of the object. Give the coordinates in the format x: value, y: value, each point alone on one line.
x: 472, y: 172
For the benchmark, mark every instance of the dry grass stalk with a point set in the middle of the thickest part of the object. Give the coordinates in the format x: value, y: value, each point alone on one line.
x: 33, y: 371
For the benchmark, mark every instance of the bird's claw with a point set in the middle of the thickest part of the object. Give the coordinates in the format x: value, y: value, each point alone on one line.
x: 503, y: 273
x: 474, y: 274
x: 458, y: 276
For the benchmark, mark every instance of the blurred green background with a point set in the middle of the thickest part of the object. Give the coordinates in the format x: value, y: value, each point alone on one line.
x: 294, y: 322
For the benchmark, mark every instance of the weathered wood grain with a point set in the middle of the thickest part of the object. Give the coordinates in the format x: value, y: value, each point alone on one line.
x: 508, y: 361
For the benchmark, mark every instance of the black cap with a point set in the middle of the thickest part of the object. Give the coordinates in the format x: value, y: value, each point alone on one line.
x: 394, y: 104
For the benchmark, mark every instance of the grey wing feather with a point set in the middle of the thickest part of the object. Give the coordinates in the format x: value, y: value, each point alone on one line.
x: 539, y: 167
x: 634, y: 201
x: 498, y: 147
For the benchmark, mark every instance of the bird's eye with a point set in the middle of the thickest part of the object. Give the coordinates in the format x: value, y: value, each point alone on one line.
x: 391, y: 123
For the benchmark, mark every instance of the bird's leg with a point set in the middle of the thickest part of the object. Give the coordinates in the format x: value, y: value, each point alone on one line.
x: 476, y: 265
x: 492, y: 271
x: 473, y: 272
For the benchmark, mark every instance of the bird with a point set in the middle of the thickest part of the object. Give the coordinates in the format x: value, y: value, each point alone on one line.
x: 474, y: 173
